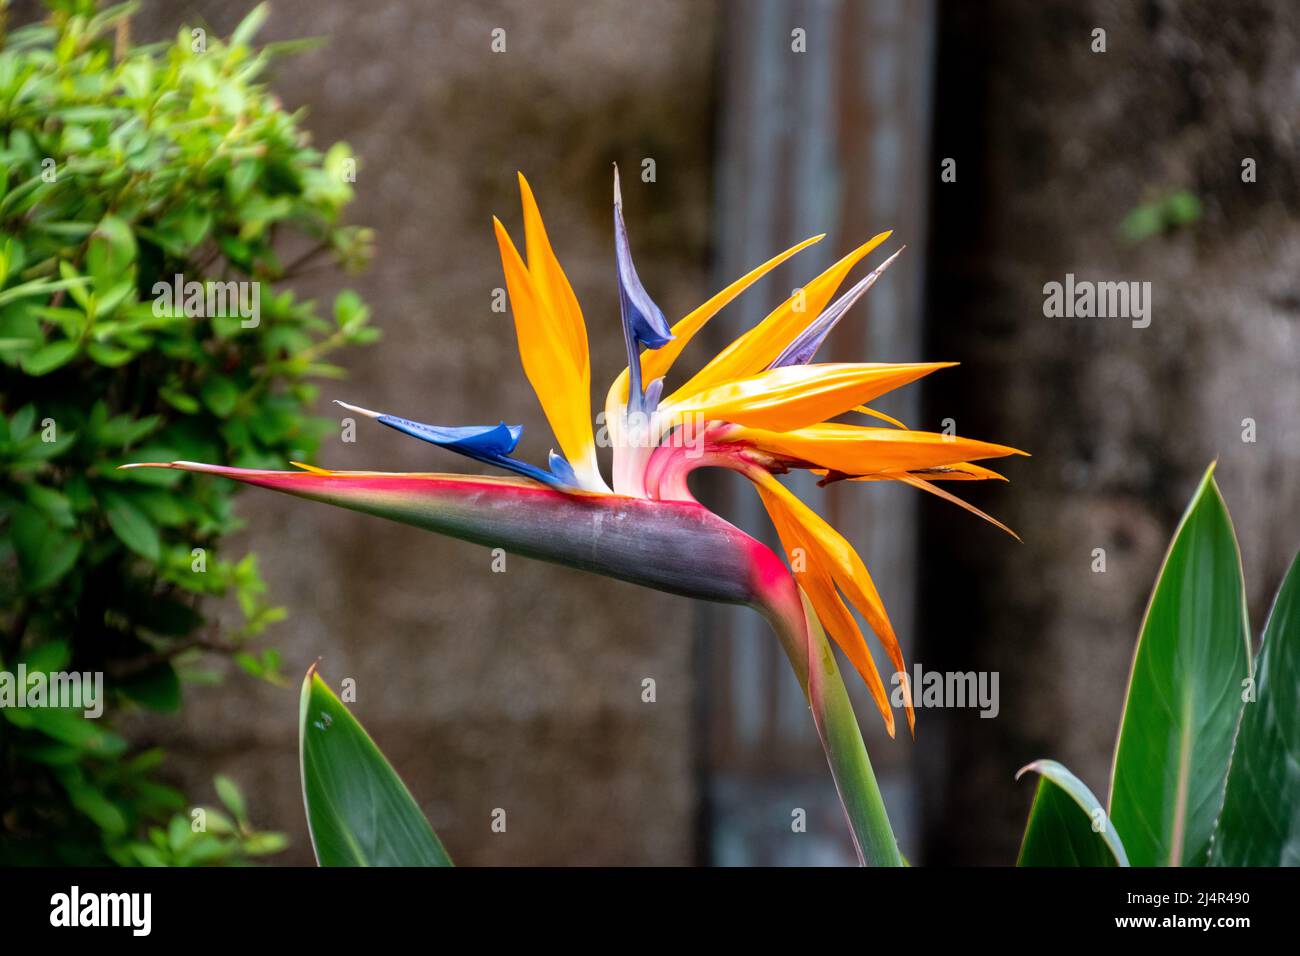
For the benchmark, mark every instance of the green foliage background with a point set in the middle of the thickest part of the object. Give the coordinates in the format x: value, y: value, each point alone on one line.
x: 120, y: 167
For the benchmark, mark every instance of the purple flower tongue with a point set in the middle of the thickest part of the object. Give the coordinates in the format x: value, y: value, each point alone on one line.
x: 806, y: 344
x: 643, y: 321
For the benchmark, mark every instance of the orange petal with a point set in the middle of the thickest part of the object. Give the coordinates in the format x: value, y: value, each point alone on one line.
x: 754, y: 350
x: 795, y: 396
x: 555, y: 371
x: 934, y: 489
x: 827, y: 555
x: 551, y: 284
x: 863, y: 410
x: 855, y: 450
x: 961, y: 471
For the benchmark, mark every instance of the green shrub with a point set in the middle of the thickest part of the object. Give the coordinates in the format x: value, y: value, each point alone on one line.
x: 122, y: 168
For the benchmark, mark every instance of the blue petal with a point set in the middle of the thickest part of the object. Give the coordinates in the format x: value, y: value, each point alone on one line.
x: 643, y: 321
x: 487, y: 440
x: 562, y: 470
x: 653, y: 392
x: 806, y: 344
x: 490, y: 444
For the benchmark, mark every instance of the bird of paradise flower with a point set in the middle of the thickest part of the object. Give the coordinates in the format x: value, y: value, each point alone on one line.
x: 760, y: 407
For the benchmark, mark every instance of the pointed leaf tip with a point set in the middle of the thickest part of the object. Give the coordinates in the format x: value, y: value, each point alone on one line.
x: 359, y: 813
x: 1067, y: 824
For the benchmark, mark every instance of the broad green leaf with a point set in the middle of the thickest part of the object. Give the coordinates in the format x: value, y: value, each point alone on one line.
x: 358, y: 810
x: 1067, y: 824
x: 45, y: 554
x: 50, y: 357
x: 1184, y: 694
x: 1260, y: 821
x: 132, y: 526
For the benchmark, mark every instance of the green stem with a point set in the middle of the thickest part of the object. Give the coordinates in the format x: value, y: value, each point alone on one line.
x: 805, y: 643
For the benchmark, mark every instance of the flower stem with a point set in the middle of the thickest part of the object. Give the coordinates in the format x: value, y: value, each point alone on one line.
x: 814, y: 664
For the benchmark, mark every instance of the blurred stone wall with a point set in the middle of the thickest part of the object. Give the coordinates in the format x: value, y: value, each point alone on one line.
x: 519, y: 690
x: 1055, y: 146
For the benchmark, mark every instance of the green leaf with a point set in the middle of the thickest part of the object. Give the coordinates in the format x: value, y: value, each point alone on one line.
x: 179, y: 400
x: 42, y: 287
x: 20, y: 426
x: 94, y: 804
x: 1067, y: 825
x: 1260, y: 821
x: 76, y: 284
x: 110, y: 254
x: 221, y: 395
x: 1180, y: 717
x: 47, y: 657
x: 52, y: 503
x: 132, y: 526
x: 50, y: 357
x: 157, y: 687
x: 45, y: 554
x: 108, y: 355
x: 69, y: 726
x: 358, y: 810
x: 229, y: 794
x: 249, y: 26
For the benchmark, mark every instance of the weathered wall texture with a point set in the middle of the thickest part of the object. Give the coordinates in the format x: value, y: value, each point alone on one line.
x: 1055, y: 145
x: 519, y: 690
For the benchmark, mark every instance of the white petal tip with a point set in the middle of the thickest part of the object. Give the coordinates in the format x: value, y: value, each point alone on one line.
x: 358, y: 409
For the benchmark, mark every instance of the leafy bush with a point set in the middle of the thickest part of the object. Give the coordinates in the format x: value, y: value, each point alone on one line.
x: 124, y: 172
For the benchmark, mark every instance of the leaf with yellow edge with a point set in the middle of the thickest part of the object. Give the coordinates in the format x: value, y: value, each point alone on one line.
x: 795, y: 396
x: 856, y: 450
x: 829, y: 561
x: 754, y: 350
